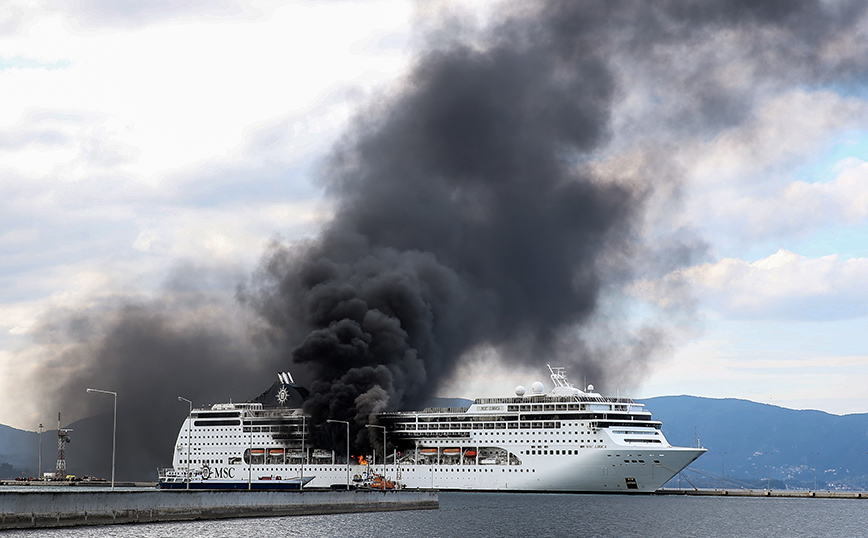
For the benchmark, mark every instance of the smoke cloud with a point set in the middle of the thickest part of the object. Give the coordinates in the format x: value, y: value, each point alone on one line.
x: 501, y: 197
x: 465, y: 217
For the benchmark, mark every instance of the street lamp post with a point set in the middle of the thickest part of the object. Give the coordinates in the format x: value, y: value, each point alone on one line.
x: 384, y: 448
x: 40, y: 451
x: 348, y: 446
x: 189, y: 427
x: 250, y: 456
x: 301, y: 474
x: 114, y: 428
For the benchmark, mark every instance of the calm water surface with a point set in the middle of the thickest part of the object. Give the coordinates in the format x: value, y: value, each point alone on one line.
x: 472, y: 515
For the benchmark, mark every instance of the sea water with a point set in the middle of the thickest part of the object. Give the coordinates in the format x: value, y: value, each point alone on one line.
x: 489, y: 515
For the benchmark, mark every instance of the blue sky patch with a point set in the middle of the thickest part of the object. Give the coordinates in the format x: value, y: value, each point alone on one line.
x: 23, y: 62
x: 849, y: 144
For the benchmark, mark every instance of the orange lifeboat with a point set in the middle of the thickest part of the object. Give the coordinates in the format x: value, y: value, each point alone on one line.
x: 429, y: 451
x: 379, y: 483
x: 469, y: 453
x: 451, y: 451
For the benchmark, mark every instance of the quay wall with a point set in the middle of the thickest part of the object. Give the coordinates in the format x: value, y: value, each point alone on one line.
x: 42, y: 509
x: 764, y: 493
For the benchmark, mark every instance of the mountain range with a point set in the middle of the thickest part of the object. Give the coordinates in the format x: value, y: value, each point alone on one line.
x: 749, y: 444
x: 752, y: 444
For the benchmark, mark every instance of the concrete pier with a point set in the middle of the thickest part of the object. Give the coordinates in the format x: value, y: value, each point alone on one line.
x: 764, y: 493
x: 42, y: 509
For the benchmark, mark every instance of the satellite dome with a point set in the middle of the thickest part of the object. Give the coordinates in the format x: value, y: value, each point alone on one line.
x: 590, y: 388
x: 537, y: 387
x: 520, y: 390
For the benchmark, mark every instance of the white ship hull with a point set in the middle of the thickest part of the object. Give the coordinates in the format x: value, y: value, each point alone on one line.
x: 563, y: 441
x: 592, y: 473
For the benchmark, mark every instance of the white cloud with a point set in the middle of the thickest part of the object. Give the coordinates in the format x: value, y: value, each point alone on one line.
x: 14, y: 15
x: 111, y: 13
x: 781, y: 286
x: 789, y: 128
x: 189, y: 91
x: 19, y: 236
x: 745, y: 186
x: 180, y: 139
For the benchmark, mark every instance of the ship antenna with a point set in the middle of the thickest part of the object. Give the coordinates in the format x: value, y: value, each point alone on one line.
x: 559, y: 378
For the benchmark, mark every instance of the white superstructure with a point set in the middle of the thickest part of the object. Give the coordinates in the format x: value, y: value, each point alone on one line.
x: 565, y: 440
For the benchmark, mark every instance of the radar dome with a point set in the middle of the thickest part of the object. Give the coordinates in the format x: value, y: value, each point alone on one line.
x: 590, y: 388
x: 537, y: 387
x: 520, y: 391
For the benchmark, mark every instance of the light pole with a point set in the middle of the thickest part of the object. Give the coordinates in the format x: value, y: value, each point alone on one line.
x: 250, y: 457
x: 348, y: 446
x: 722, y: 471
x: 114, y: 428
x: 40, y: 451
x: 384, y: 449
x: 189, y: 427
x: 301, y: 474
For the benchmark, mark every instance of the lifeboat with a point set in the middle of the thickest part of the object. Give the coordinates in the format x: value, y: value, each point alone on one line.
x: 380, y: 483
x: 469, y: 453
x: 451, y: 451
x: 274, y: 451
x: 258, y: 451
x: 429, y: 451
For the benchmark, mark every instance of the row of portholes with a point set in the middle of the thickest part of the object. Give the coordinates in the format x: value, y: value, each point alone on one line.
x: 551, y: 452
x: 463, y: 469
x: 471, y: 470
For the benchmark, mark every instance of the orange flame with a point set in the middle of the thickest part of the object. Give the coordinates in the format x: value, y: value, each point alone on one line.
x: 361, y: 460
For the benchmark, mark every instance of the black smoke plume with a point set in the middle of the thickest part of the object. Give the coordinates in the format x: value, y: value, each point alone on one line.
x: 464, y: 218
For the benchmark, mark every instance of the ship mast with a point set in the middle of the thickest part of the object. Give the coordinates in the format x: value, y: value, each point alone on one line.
x: 559, y: 378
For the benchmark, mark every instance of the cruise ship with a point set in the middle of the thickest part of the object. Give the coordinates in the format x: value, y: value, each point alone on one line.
x: 563, y: 440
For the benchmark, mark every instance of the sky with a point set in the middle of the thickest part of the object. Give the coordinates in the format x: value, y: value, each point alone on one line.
x: 152, y: 152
